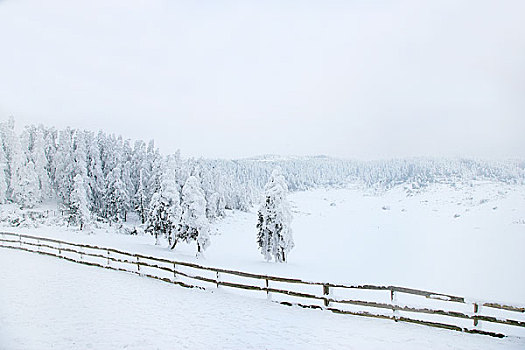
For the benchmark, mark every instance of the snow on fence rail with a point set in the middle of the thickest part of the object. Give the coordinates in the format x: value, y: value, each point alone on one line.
x: 387, y: 302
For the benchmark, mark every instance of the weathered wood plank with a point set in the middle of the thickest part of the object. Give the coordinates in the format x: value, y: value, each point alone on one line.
x: 499, y: 320
x: 240, y: 286
x: 427, y: 294
x: 9, y: 240
x: 478, y: 331
x: 505, y: 307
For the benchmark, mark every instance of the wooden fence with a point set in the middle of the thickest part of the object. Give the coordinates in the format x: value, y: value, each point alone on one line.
x: 386, y: 302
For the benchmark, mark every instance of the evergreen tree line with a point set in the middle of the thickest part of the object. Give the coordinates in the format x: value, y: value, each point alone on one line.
x: 103, y: 177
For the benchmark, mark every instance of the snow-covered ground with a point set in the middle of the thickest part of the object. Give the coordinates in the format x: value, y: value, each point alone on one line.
x: 48, y: 303
x: 464, y: 240
x: 467, y: 241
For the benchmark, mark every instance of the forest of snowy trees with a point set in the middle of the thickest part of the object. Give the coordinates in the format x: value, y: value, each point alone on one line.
x: 101, y: 178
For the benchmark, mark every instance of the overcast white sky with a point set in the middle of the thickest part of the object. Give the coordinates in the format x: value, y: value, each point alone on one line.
x: 365, y: 79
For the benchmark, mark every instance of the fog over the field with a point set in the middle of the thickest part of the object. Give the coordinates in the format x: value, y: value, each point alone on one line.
x: 364, y: 79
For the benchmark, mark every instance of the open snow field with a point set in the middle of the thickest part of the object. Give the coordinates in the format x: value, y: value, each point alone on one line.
x: 466, y: 240
x: 50, y: 303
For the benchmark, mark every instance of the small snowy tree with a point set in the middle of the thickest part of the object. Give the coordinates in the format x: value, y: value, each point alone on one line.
x: 193, y: 225
x: 78, y: 203
x: 158, y: 224
x: 213, y: 209
x: 274, y: 235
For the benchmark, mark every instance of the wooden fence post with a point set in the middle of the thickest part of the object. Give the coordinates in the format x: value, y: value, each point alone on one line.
x: 108, y: 258
x: 326, y: 292
x: 138, y: 265
x: 268, y: 296
x: 217, y: 278
x: 20, y: 240
x: 174, y: 271
x: 393, y: 301
x: 476, y: 310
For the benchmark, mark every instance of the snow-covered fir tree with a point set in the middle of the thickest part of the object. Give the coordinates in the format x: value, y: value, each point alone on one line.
x: 95, y: 176
x: 141, y: 199
x: 193, y: 225
x: 155, y: 171
x: 26, y: 192
x: 116, y: 199
x: 80, y: 153
x: 78, y: 204
x: 164, y: 209
x: 8, y: 139
x: 24, y: 181
x: 64, y: 165
x: 3, y: 178
x: 274, y: 235
x: 213, y: 205
x: 40, y: 161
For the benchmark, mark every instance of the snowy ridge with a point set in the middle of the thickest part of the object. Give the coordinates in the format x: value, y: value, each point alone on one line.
x: 388, y: 302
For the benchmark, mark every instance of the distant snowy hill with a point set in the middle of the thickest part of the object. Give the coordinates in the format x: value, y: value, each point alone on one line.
x: 279, y: 158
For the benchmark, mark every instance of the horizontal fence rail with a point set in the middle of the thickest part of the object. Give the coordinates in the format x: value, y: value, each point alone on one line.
x: 386, y: 302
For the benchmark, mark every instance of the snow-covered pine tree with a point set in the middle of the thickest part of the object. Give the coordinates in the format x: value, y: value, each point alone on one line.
x: 157, y: 223
x: 193, y: 225
x: 24, y: 181
x: 38, y: 155
x: 155, y: 170
x: 26, y: 192
x: 7, y: 141
x: 128, y: 184
x: 213, y: 206
x: 127, y: 171
x: 3, y: 178
x: 50, y: 149
x: 116, y: 198
x: 95, y: 176
x: 80, y: 153
x: 141, y: 199
x: 164, y: 209
x: 78, y: 204
x: 274, y: 235
x: 64, y: 166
